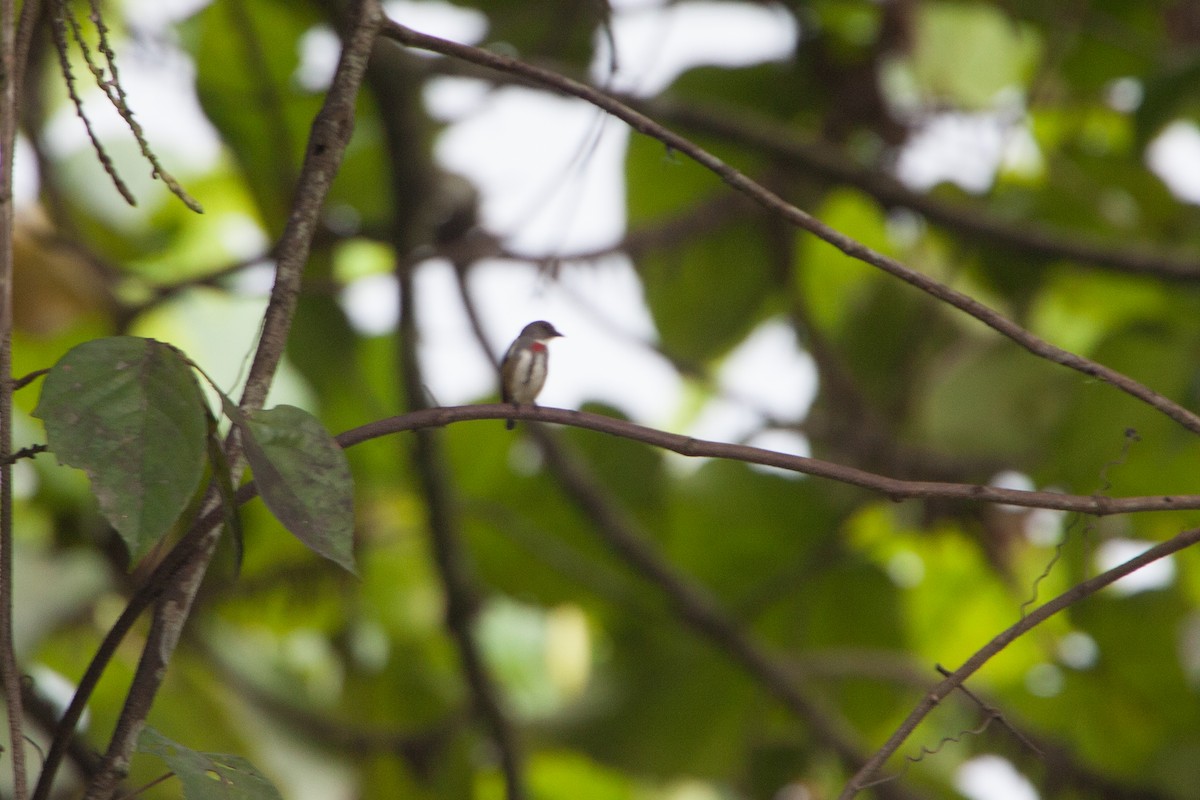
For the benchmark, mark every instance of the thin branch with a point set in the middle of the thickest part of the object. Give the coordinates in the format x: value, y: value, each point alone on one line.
x: 111, y: 86
x: 867, y: 774
x: 450, y: 556
x: 961, y: 217
x: 462, y: 596
x: 964, y: 216
x: 116, y: 95
x: 800, y: 219
x: 25, y: 452
x: 58, y: 28
x: 895, y: 489
x: 164, y: 573
x: 10, y: 670
x: 25, y: 380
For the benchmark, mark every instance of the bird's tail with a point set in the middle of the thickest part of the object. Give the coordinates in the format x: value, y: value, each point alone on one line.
x: 509, y: 424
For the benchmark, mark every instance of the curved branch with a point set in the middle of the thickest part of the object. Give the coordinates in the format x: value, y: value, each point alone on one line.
x: 893, y: 488
x: 962, y: 215
x: 800, y: 219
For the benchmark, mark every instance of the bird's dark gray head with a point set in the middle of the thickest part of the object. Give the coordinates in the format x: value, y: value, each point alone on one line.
x: 540, y: 330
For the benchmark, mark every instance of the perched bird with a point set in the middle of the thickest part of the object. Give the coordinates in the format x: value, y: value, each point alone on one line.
x: 523, y: 370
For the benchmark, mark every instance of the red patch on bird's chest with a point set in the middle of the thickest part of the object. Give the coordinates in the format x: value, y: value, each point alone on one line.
x: 538, y: 347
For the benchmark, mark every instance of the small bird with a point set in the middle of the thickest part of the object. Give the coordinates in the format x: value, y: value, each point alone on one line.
x: 523, y: 370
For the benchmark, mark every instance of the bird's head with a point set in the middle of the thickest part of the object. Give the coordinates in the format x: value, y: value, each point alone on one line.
x: 540, y: 331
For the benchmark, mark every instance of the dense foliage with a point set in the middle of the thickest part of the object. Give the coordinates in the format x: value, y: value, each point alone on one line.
x: 566, y: 613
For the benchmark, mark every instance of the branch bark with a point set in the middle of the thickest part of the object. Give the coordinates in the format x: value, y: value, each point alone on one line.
x: 895, y: 489
x: 10, y: 670
x: 800, y: 219
x: 330, y: 134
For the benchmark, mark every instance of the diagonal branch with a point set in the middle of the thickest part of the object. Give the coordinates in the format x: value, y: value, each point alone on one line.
x: 701, y: 611
x: 962, y: 215
x: 866, y: 775
x: 965, y: 218
x: 800, y: 219
x: 331, y: 132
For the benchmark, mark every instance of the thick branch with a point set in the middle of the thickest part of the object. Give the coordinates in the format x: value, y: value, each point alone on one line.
x: 800, y: 219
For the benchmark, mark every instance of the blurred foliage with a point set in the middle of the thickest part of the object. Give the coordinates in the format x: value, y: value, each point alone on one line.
x: 340, y: 686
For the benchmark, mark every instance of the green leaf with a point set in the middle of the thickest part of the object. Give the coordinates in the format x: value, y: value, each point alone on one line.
x: 707, y: 294
x: 970, y: 52
x: 129, y: 412
x: 303, y: 478
x: 208, y: 776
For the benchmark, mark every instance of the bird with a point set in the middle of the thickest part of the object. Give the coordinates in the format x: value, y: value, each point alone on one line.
x: 523, y: 369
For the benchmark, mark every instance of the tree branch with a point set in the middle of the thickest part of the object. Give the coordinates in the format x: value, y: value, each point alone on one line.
x: 866, y: 775
x: 10, y: 670
x: 330, y: 134
x: 895, y: 489
x: 800, y: 219
x: 963, y: 216
x: 164, y: 573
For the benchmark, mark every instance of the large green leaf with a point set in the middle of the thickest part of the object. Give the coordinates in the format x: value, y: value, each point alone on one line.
x: 303, y: 477
x: 208, y: 776
x: 707, y: 294
x: 129, y: 412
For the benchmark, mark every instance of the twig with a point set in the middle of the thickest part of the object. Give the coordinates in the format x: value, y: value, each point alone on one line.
x: 993, y: 713
x: 25, y: 452
x: 58, y: 28
x: 794, y: 216
x: 116, y: 95
x: 867, y: 774
x: 25, y: 380
x: 111, y: 86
